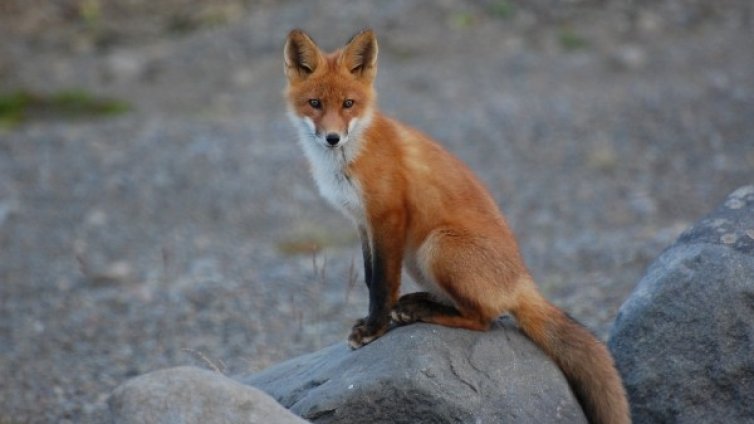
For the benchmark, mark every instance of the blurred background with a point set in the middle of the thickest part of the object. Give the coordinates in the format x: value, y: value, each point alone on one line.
x: 156, y: 210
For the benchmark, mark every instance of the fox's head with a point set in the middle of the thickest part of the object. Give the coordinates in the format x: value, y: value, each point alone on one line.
x: 330, y: 95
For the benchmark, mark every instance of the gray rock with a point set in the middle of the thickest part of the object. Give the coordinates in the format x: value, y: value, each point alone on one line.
x: 124, y: 65
x: 425, y: 374
x: 630, y: 57
x: 193, y: 395
x: 684, y: 339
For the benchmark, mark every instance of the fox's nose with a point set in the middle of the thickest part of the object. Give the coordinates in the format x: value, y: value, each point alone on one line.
x: 332, y: 139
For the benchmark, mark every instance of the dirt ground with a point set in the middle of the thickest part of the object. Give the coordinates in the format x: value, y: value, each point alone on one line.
x: 188, y: 231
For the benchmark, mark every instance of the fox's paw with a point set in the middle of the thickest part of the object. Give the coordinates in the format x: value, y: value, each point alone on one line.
x: 407, y: 312
x: 363, y: 333
x: 420, y: 306
x: 412, y: 307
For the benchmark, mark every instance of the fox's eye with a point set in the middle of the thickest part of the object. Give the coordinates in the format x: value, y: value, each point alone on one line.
x: 315, y: 103
x: 348, y: 103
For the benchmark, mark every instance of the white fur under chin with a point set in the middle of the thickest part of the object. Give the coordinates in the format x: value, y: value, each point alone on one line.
x: 328, y: 164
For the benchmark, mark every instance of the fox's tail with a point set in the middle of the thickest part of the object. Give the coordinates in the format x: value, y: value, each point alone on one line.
x: 585, y: 361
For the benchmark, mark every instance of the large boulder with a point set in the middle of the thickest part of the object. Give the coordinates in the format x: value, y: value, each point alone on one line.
x: 425, y: 374
x: 414, y: 374
x: 684, y: 340
x: 190, y: 395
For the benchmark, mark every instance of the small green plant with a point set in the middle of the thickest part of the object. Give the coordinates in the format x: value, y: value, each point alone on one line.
x: 81, y: 103
x: 23, y: 105
x: 90, y: 12
x: 502, y: 9
x: 570, y: 40
x: 12, y: 108
x: 181, y: 23
x: 209, y: 16
x: 461, y: 20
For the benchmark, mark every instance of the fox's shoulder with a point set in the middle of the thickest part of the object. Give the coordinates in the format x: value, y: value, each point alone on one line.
x: 391, y: 146
x: 385, y: 130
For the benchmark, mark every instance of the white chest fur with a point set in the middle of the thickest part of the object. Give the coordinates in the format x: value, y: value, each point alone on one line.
x: 335, y: 185
x: 330, y: 166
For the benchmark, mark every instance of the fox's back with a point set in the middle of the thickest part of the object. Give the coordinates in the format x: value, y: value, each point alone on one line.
x: 399, y: 163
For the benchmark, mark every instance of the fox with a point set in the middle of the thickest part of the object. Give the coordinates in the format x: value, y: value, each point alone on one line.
x: 418, y: 207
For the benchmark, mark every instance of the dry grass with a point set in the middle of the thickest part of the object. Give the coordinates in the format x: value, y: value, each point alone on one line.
x: 218, y: 367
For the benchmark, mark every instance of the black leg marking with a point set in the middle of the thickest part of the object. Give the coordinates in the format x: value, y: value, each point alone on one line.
x: 376, y: 323
x: 378, y: 289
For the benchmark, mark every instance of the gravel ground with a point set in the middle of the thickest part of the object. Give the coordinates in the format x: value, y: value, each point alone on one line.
x: 179, y: 233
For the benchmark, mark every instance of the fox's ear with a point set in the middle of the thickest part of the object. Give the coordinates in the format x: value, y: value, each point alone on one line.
x: 360, y: 54
x: 302, y: 56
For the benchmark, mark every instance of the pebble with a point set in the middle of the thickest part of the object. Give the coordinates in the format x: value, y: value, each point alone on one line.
x: 631, y: 57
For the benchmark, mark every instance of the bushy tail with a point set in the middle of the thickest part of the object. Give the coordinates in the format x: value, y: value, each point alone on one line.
x: 585, y: 361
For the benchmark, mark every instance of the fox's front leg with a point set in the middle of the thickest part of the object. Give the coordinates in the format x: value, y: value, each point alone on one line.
x: 366, y: 251
x: 383, y: 256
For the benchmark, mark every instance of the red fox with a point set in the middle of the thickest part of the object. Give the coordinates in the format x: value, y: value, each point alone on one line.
x: 416, y: 205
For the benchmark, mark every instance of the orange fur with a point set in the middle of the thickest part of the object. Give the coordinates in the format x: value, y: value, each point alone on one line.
x: 418, y: 206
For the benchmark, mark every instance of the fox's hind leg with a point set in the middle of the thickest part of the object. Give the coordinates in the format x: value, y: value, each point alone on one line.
x: 421, y: 307
x: 413, y: 307
x: 471, y: 281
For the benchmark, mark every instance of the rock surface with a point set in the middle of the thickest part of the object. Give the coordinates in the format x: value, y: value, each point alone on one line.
x: 425, y: 373
x: 684, y: 339
x: 192, y: 395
